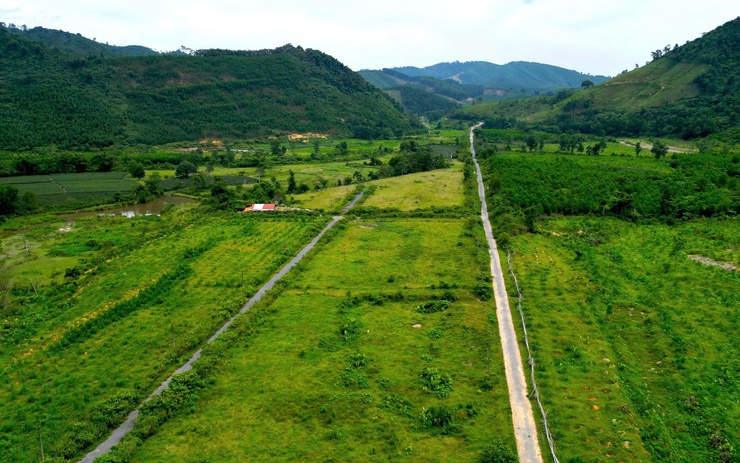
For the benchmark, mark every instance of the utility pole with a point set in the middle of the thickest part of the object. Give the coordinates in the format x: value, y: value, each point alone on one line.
x: 172, y: 327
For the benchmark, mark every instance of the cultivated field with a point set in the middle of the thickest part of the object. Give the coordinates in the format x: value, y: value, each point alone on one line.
x: 119, y: 304
x: 635, y: 342
x: 348, y: 367
x: 68, y: 188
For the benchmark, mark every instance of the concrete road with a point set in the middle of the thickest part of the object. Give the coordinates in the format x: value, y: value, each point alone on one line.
x: 525, y: 427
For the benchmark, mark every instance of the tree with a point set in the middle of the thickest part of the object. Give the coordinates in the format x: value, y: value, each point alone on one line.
x: 276, y: 148
x: 136, y: 170
x: 659, y: 150
x: 185, y: 169
x: 638, y: 148
x: 342, y: 149
x: 588, y: 83
x: 291, y: 182
x: 103, y: 162
x: 8, y: 196
x: 221, y: 196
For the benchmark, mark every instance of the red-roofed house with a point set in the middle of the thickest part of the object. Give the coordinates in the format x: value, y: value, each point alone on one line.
x: 260, y: 207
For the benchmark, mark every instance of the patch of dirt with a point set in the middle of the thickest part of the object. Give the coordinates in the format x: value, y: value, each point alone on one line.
x: 729, y: 266
x: 417, y: 325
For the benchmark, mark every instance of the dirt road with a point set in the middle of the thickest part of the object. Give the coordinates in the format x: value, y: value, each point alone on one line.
x: 525, y: 427
x: 128, y: 425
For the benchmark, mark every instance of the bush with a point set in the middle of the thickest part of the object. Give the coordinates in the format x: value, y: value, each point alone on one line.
x: 484, y: 291
x: 438, y: 419
x: 435, y: 382
x: 498, y: 452
x: 434, y: 306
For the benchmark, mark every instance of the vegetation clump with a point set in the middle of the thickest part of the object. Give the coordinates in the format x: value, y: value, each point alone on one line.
x: 435, y: 382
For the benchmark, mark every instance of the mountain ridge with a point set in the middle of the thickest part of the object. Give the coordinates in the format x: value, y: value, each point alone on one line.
x: 54, y: 98
x: 690, y: 91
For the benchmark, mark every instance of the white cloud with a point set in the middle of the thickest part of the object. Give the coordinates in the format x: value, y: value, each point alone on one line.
x: 601, y: 37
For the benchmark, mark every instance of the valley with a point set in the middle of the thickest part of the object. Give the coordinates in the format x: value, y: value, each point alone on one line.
x: 366, y: 312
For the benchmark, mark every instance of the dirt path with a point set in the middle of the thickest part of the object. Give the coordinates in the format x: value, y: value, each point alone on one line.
x: 648, y: 147
x: 128, y: 425
x: 525, y: 427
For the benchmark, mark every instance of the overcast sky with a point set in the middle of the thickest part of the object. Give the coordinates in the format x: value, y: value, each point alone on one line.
x: 591, y: 36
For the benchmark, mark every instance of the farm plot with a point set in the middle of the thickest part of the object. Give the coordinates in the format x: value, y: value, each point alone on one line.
x: 78, y: 354
x: 635, y: 343
x: 437, y: 188
x: 379, y: 349
x: 66, y: 188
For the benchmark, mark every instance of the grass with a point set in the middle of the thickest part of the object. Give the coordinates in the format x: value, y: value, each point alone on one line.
x: 438, y: 188
x: 66, y: 387
x: 335, y: 372
x: 634, y: 342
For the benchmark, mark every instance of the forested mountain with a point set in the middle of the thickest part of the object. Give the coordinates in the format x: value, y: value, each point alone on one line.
x: 50, y: 97
x: 687, y: 91
x: 76, y: 44
x: 469, y: 82
x: 514, y: 76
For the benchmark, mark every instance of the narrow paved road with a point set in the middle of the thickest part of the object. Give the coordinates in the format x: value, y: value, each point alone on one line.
x: 128, y: 425
x: 525, y: 428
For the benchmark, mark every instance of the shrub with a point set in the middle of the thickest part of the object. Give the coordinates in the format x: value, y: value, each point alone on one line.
x: 498, y: 452
x: 434, y: 306
x: 438, y: 419
x: 435, y: 382
x: 484, y: 291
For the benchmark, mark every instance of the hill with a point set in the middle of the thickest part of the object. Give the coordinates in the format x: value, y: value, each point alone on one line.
x: 688, y: 91
x: 54, y: 98
x: 76, y: 44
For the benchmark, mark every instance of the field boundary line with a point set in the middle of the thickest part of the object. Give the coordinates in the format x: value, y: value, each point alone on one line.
x: 128, y: 425
x: 535, y: 389
x: 522, y: 416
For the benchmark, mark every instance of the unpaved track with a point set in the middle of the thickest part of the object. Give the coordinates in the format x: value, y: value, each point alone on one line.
x: 128, y: 425
x: 525, y: 428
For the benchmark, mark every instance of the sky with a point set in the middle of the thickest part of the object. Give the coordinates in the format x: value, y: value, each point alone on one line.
x: 599, y: 37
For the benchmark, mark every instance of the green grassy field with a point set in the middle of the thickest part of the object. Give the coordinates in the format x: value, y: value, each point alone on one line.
x: 438, y: 188
x: 635, y: 343
x: 335, y: 373
x: 69, y: 188
x: 118, y: 304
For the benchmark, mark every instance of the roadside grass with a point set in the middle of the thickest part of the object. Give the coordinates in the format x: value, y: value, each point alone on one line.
x: 635, y: 344
x: 437, y: 188
x: 338, y: 371
x: 67, y: 374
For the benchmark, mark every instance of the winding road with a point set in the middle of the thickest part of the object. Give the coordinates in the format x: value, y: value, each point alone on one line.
x: 525, y: 427
x: 119, y: 433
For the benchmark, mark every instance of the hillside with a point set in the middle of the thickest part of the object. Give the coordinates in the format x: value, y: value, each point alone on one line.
x: 688, y: 91
x: 76, y: 44
x: 54, y: 98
